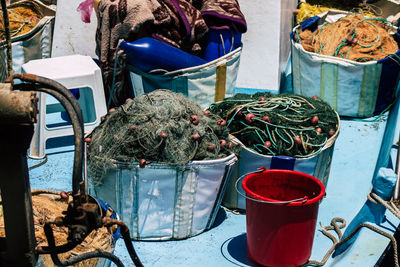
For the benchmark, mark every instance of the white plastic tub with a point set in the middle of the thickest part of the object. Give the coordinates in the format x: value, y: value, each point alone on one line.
x: 250, y: 161
x: 164, y: 202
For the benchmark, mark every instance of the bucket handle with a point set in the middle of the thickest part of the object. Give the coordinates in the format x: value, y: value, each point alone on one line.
x: 262, y: 169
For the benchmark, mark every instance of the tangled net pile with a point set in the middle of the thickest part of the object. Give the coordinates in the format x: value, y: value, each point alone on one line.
x: 279, y: 125
x: 353, y: 37
x: 22, y: 19
x: 46, y: 206
x: 162, y: 127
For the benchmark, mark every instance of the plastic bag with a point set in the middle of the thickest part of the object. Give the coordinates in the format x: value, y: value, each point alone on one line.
x: 86, y: 9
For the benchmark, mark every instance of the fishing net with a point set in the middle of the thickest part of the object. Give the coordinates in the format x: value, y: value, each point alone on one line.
x: 336, y: 3
x: 3, y: 67
x: 162, y: 127
x: 353, y: 37
x: 308, y: 10
x: 23, y: 17
x: 47, y: 205
x: 279, y: 125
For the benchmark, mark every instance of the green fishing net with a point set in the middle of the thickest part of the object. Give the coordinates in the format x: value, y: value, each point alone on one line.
x: 279, y: 125
x: 162, y: 127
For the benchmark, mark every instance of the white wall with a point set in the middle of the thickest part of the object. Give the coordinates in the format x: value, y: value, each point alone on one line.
x: 266, y: 44
x: 71, y: 35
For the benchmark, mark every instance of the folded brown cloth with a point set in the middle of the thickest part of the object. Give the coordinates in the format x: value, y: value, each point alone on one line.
x: 180, y: 23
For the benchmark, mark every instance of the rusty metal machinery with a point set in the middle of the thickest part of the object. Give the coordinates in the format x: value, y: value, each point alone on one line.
x: 18, y: 110
x: 17, y: 113
x: 17, y: 107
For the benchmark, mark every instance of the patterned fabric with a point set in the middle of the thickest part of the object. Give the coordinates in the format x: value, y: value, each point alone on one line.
x: 180, y: 23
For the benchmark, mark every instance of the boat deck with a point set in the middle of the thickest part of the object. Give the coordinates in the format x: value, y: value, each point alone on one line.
x: 355, y: 158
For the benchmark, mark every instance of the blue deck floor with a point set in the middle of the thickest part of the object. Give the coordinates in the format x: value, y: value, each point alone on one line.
x: 354, y: 161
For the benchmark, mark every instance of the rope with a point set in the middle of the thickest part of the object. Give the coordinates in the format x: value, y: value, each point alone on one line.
x: 379, y: 231
x: 325, y: 230
x: 114, y: 74
x: 351, y: 38
x: 39, y: 164
x: 334, y: 226
x: 374, y: 198
x: 378, y: 117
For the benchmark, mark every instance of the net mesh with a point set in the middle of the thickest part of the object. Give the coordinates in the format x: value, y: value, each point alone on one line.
x: 3, y: 65
x: 46, y: 206
x: 162, y: 127
x: 23, y: 17
x: 279, y: 125
x: 354, y: 37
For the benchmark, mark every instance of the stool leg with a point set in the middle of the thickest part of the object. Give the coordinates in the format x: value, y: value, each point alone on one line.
x: 37, y: 149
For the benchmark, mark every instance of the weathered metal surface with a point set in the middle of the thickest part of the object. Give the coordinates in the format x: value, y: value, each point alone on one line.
x: 16, y: 198
x: 17, y: 106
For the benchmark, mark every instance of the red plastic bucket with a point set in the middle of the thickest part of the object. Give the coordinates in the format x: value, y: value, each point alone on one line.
x: 281, y: 215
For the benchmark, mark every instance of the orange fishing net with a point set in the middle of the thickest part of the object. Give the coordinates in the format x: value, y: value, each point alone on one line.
x: 22, y: 20
x: 47, y: 206
x: 353, y: 37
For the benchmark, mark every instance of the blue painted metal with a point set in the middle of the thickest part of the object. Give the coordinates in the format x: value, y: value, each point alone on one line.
x: 355, y: 156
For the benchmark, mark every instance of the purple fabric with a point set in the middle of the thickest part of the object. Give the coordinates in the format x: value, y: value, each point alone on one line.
x: 183, y: 17
x: 240, y: 24
x: 218, y: 28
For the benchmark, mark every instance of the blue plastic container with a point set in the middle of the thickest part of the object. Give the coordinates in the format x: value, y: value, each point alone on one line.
x: 64, y: 114
x: 148, y: 54
x: 221, y: 42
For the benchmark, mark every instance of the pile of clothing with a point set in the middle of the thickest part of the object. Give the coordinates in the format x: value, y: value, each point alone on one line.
x: 181, y: 23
